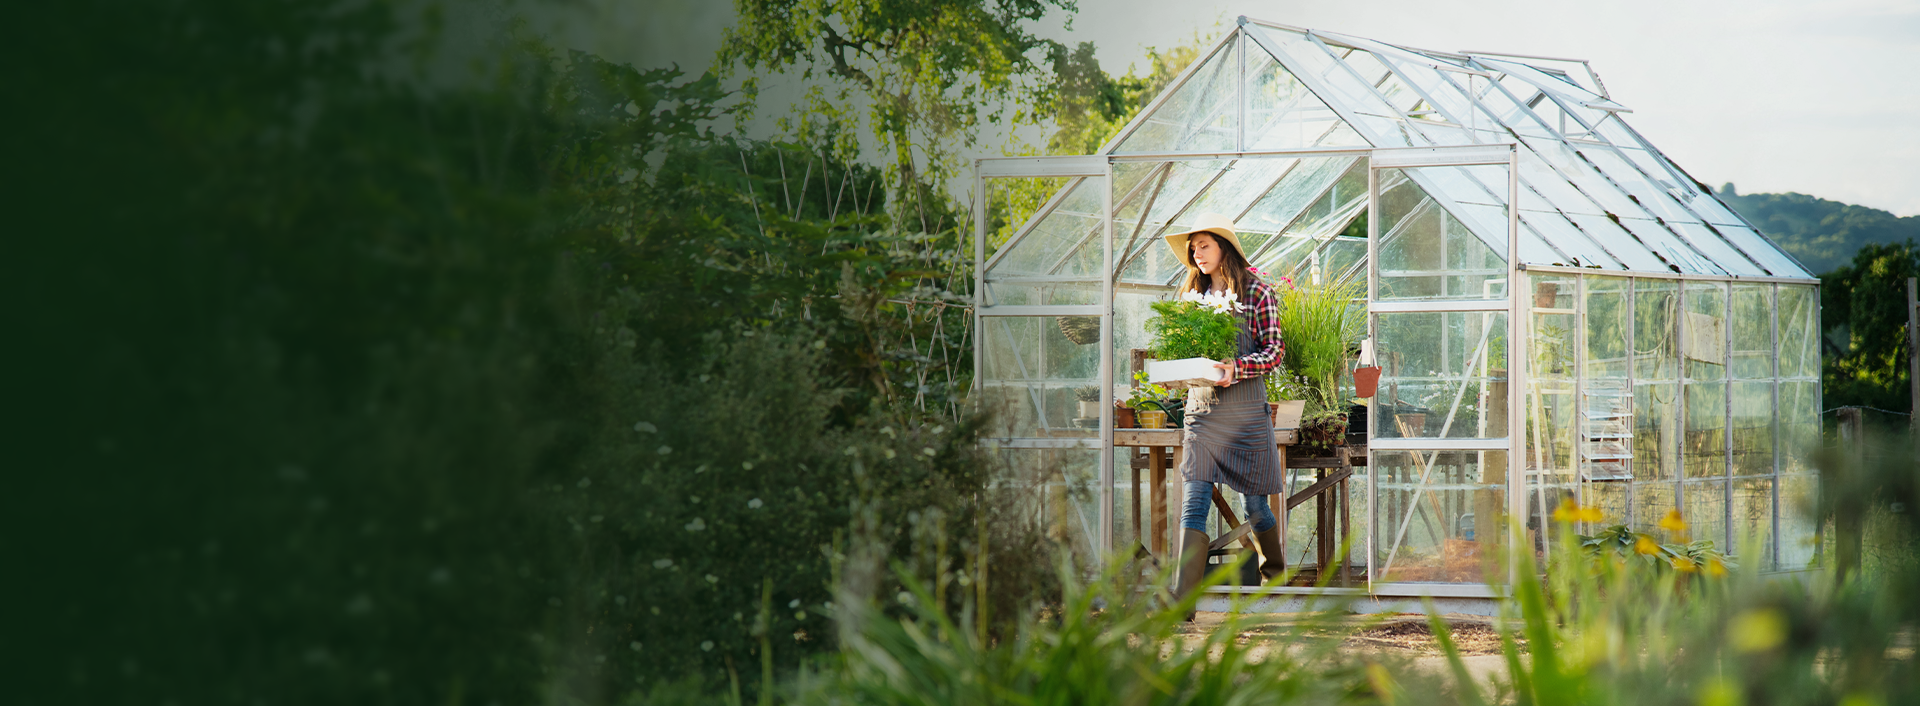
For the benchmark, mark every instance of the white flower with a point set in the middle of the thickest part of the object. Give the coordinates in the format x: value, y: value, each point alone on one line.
x: 662, y: 563
x: 647, y: 427
x: 754, y: 504
x: 696, y: 525
x: 706, y: 645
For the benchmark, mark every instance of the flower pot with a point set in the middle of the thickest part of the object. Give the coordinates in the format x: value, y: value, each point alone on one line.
x: 1182, y: 373
x: 1286, y: 413
x: 1123, y: 418
x: 1366, y: 381
x: 1090, y: 409
x: 1151, y: 419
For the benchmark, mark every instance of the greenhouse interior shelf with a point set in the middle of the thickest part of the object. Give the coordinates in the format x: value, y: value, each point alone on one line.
x: 1557, y: 311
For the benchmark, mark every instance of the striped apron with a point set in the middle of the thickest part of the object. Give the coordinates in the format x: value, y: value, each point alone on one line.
x: 1233, y: 442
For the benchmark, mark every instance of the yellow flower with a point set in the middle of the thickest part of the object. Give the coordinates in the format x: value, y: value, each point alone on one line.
x: 1566, y: 511
x: 1757, y: 630
x: 1685, y: 565
x: 1716, y: 568
x: 1570, y: 511
x: 1673, y: 522
x: 1646, y: 546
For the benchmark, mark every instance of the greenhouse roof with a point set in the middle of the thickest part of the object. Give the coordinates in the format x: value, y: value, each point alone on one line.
x: 1592, y: 193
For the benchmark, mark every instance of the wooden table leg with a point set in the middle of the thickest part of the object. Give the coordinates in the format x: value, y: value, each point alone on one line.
x: 1139, y: 532
x: 1324, y: 527
x: 1157, y: 465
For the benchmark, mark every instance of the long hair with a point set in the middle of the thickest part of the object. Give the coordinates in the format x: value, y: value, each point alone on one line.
x: 1232, y: 269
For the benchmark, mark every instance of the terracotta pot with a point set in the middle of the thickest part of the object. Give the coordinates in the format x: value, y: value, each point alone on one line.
x: 1123, y: 418
x: 1366, y: 381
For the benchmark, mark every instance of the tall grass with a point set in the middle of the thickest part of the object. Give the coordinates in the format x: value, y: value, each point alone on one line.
x: 1320, y: 325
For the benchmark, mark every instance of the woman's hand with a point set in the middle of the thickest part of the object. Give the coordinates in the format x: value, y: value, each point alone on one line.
x: 1226, y: 375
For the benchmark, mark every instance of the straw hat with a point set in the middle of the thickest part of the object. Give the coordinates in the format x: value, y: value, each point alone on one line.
x: 1213, y: 223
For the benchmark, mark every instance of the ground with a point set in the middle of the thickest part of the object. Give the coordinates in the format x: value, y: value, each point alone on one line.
x: 1399, y: 635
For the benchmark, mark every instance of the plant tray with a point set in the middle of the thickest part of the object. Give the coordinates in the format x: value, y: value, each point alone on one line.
x: 1182, y: 373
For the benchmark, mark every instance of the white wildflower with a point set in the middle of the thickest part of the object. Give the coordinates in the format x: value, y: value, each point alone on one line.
x: 696, y: 525
x: 754, y: 504
x: 662, y: 563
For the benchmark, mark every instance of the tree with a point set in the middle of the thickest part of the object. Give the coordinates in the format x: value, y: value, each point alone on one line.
x: 928, y: 71
x: 1863, y: 304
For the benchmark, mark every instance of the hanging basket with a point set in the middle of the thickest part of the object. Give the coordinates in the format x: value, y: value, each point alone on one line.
x: 1082, y: 330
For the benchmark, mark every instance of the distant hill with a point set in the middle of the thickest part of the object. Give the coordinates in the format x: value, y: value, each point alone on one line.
x: 1823, y: 234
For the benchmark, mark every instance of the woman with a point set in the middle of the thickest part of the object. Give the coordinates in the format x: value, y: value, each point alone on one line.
x: 1230, y: 439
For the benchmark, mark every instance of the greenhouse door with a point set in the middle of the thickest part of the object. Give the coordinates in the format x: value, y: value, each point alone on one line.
x: 1441, y: 472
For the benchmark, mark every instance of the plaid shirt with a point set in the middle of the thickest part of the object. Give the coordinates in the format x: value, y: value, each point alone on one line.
x: 1263, y: 319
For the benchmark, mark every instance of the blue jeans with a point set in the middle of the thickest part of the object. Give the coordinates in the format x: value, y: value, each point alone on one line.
x: 1200, y: 499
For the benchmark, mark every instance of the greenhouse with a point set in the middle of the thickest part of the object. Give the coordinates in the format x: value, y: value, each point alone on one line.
x: 1667, y: 357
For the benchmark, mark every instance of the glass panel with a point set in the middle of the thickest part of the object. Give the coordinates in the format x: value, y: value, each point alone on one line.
x: 1656, y: 304
x: 1552, y: 186
x: 1584, y: 177
x: 1752, y: 428
x: 1674, y: 253
x: 1369, y: 68
x: 1030, y: 373
x: 1611, y: 498
x: 1443, y: 375
x: 1706, y: 513
x: 1623, y: 245
x: 1651, y: 503
x: 1656, y: 389
x: 1552, y: 412
x: 1607, y: 320
x: 1777, y: 262
x: 1557, y: 231
x: 1067, y: 502
x: 1018, y: 294
x: 1752, y: 531
x: 1343, y: 87
x: 1426, y: 253
x: 1300, y: 188
x: 1752, y: 321
x: 1706, y: 439
x: 1651, y: 191
x: 1283, y: 114
x: 1799, y: 425
x: 1199, y: 116
x: 1716, y: 247
x: 1049, y: 241
x: 1244, y: 183
x: 1439, y: 516
x: 1799, y: 327
x: 1795, y: 509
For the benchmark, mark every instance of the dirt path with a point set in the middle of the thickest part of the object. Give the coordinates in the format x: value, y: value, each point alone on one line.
x: 1402, y: 637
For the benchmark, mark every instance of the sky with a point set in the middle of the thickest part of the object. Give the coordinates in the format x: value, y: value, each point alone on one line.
x: 1821, y: 98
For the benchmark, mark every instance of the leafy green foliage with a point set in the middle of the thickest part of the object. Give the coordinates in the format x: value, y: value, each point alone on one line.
x: 1863, y: 306
x: 1185, y: 329
x: 927, y: 71
x: 1321, y: 325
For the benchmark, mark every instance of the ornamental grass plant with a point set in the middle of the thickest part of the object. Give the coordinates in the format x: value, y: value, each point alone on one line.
x: 1321, y: 325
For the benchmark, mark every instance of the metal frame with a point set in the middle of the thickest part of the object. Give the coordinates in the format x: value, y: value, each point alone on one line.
x: 1481, y: 122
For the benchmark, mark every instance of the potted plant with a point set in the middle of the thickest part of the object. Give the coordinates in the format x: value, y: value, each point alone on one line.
x: 1286, y: 398
x: 1089, y: 399
x: 1322, y: 327
x: 1190, y: 335
x: 1155, y: 407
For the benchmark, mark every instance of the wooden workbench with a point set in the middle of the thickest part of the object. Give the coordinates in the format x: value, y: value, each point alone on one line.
x: 1163, y: 452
